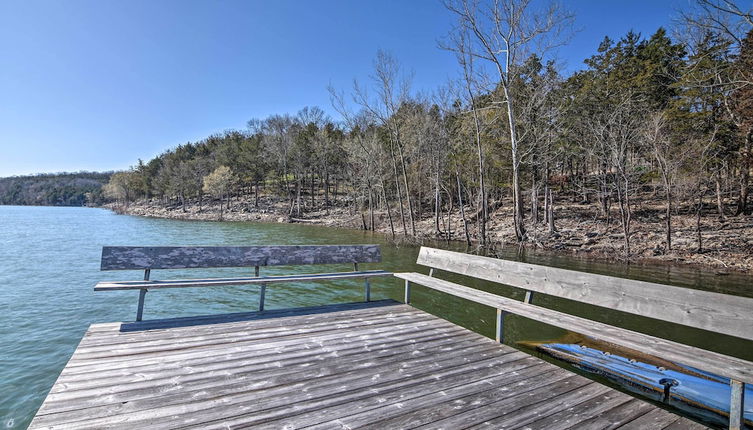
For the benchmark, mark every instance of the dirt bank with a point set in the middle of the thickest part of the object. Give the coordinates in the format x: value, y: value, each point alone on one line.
x: 727, y: 244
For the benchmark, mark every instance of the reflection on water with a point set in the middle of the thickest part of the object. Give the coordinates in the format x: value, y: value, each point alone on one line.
x: 49, y: 262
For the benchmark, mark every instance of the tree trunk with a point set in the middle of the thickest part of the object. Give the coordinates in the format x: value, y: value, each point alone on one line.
x: 313, y: 191
x: 546, y: 192
x: 256, y: 194
x: 482, y: 186
x: 371, y: 207
x: 221, y: 210
x: 520, y: 231
x: 397, y: 188
x: 622, y: 197
x: 698, y: 209
x: 550, y: 212
x: 298, y: 196
x: 742, y: 203
x: 436, y: 201
x: 448, y: 224
x: 407, y: 190
x: 668, y: 193
x: 389, y: 210
x: 462, y: 209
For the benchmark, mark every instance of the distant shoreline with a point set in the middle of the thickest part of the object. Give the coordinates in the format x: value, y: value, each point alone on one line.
x: 727, y: 249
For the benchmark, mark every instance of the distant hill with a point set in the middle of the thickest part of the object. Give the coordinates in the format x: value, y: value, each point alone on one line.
x: 54, y: 189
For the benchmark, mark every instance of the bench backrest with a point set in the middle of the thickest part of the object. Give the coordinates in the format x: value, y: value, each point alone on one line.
x: 722, y: 313
x: 194, y: 257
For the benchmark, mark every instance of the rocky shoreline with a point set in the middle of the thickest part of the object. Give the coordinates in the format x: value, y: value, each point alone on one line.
x: 727, y: 244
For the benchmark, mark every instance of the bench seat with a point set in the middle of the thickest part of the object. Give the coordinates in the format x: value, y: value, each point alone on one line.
x: 730, y: 367
x: 213, y: 282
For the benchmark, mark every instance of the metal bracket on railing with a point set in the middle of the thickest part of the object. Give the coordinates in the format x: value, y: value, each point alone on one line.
x: 736, y: 404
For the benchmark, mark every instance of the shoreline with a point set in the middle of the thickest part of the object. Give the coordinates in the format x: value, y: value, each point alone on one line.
x: 728, y: 244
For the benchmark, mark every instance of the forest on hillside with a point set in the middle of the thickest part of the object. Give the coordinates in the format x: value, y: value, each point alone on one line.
x: 664, y: 117
x: 54, y: 189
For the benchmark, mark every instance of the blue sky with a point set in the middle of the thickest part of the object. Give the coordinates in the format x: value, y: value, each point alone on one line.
x: 95, y: 85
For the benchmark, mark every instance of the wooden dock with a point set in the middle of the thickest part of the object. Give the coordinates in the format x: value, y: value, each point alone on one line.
x: 381, y: 365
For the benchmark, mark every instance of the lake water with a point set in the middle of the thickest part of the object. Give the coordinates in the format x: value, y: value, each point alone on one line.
x: 49, y: 262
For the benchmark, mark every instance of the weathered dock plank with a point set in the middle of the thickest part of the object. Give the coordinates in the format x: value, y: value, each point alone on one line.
x: 369, y: 365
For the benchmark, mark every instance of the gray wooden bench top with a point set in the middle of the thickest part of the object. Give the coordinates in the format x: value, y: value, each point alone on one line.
x: 720, y: 364
x: 719, y: 313
x: 714, y: 312
x: 148, y: 258
x: 194, y: 257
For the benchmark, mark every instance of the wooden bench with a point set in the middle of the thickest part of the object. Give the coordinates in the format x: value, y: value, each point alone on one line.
x: 148, y: 258
x: 714, y: 312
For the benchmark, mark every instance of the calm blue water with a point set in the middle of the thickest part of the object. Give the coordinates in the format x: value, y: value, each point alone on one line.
x: 49, y: 262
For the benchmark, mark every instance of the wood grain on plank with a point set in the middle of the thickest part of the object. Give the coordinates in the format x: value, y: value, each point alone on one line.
x: 385, y: 364
x: 191, y: 257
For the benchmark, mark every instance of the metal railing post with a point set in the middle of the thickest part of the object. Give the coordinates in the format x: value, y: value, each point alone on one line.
x: 500, y: 332
x: 736, y: 404
x: 407, y: 292
x: 142, y: 296
x: 262, y: 290
x: 262, y: 294
x: 366, y: 285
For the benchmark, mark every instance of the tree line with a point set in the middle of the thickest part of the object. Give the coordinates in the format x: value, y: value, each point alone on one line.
x: 54, y: 189
x: 655, y: 117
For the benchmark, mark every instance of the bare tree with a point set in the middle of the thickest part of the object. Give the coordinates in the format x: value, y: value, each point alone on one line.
x: 218, y: 183
x: 670, y: 160
x: 505, y: 32
x: 392, y: 91
x: 465, y: 58
x: 616, y: 133
x: 723, y: 17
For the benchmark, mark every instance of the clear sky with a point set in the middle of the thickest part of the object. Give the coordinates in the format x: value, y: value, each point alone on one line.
x: 97, y: 84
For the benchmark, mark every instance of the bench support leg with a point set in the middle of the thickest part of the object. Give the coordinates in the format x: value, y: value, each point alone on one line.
x: 262, y: 294
x: 407, y: 292
x: 529, y: 297
x: 736, y: 404
x: 500, y: 333
x: 367, y: 285
x: 140, y: 309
